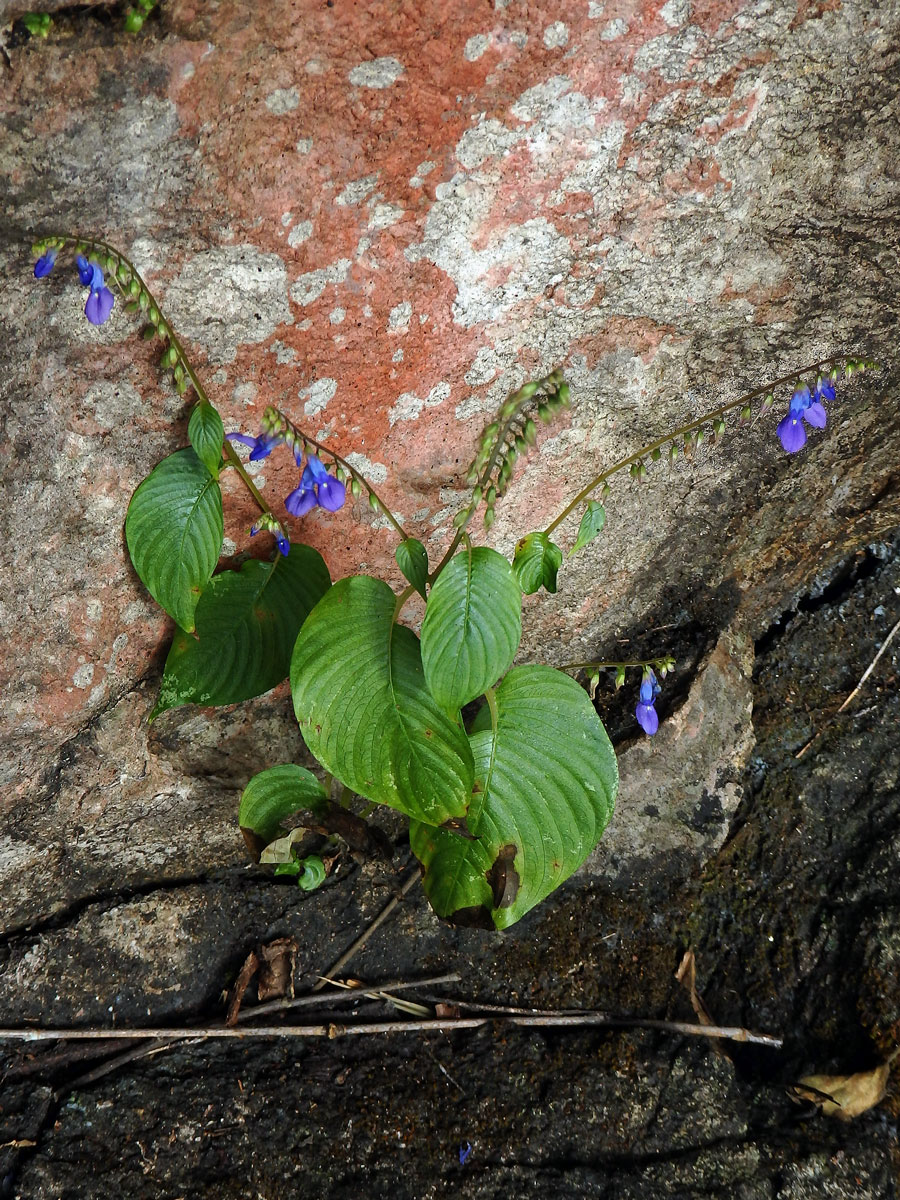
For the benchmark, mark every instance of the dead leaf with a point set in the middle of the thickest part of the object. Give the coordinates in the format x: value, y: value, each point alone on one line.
x: 503, y: 878
x: 687, y: 975
x: 844, y: 1096
x: 364, y: 839
x: 446, y: 1011
x: 281, y: 850
x: 246, y: 973
x: 276, y: 969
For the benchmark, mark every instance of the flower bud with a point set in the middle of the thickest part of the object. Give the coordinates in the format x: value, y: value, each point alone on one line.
x: 544, y: 412
x: 530, y: 432
x: 520, y: 444
x: 745, y: 412
x: 477, y: 493
x: 355, y: 486
x: 374, y: 503
x: 719, y: 427
x: 134, y: 288
x: 699, y: 436
x: 768, y: 400
x: 491, y: 496
x: 563, y: 394
x: 525, y: 393
x: 655, y: 454
x: 604, y: 491
x: 170, y: 357
x: 143, y: 300
x: 488, y: 517
x: 620, y: 677
x: 461, y: 517
x: 673, y: 452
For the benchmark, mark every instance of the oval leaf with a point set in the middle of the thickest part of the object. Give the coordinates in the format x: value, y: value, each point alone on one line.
x: 365, y: 711
x: 247, y: 623
x: 472, y: 626
x: 591, y: 523
x: 276, y: 794
x: 174, y: 533
x: 536, y: 563
x: 206, y: 432
x: 546, y: 780
x: 412, y: 559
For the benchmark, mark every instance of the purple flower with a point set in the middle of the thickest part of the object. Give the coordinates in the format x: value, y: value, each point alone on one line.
x: 647, y: 716
x: 44, y: 264
x: 316, y: 487
x: 804, y: 407
x: 260, y: 447
x: 101, y: 300
x: 464, y: 1152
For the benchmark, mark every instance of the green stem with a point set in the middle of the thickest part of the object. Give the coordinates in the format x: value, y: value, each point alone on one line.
x: 165, y: 330
x: 401, y: 601
x: 683, y: 429
x: 601, y: 666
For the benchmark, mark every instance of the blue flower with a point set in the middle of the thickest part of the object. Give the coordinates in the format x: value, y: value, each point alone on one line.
x: 260, y: 447
x: 647, y: 716
x: 44, y: 264
x: 101, y: 300
x: 316, y: 487
x: 464, y: 1152
x: 804, y: 407
x: 85, y: 270
x: 267, y: 521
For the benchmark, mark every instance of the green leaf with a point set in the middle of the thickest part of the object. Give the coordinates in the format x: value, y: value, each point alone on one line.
x: 591, y: 523
x: 546, y: 779
x: 275, y: 794
x: 206, y: 432
x: 412, y: 559
x: 247, y: 623
x: 174, y: 533
x: 472, y: 626
x: 536, y: 563
x: 365, y: 711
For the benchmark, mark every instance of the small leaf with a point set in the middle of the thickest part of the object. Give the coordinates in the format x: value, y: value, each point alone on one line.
x: 275, y: 794
x: 412, y: 559
x: 536, y: 563
x: 472, y: 626
x: 174, y: 532
x: 206, y: 432
x: 247, y: 623
x: 364, y: 709
x: 591, y: 523
x: 546, y: 779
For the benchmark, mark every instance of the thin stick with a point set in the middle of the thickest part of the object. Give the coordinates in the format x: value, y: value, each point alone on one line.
x: 868, y: 671
x: 871, y: 667
x: 328, y: 975
x: 333, y: 1030
x: 245, y: 1014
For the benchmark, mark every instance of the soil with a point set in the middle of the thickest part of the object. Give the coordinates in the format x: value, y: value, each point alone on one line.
x: 796, y: 930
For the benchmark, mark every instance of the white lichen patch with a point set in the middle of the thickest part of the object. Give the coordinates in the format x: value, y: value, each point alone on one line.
x: 304, y: 145
x: 337, y: 316
x: 399, y: 318
x: 476, y: 46
x: 615, y: 29
x: 309, y: 287
x: 357, y: 190
x: 484, y: 367
x: 383, y: 216
x: 409, y: 405
x: 228, y: 297
x: 375, y: 472
x: 317, y: 395
x: 423, y: 169
x: 488, y: 139
x: 301, y: 232
x: 283, y: 100
x: 379, y: 73
x: 556, y: 35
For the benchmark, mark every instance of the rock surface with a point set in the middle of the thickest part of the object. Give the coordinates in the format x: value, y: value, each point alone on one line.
x: 382, y: 219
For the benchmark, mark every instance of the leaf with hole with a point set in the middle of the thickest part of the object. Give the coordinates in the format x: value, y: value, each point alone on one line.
x: 174, y: 533
x: 472, y: 626
x: 365, y: 711
x: 247, y: 623
x: 536, y: 563
x: 546, y: 780
x: 412, y: 559
x: 206, y: 433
